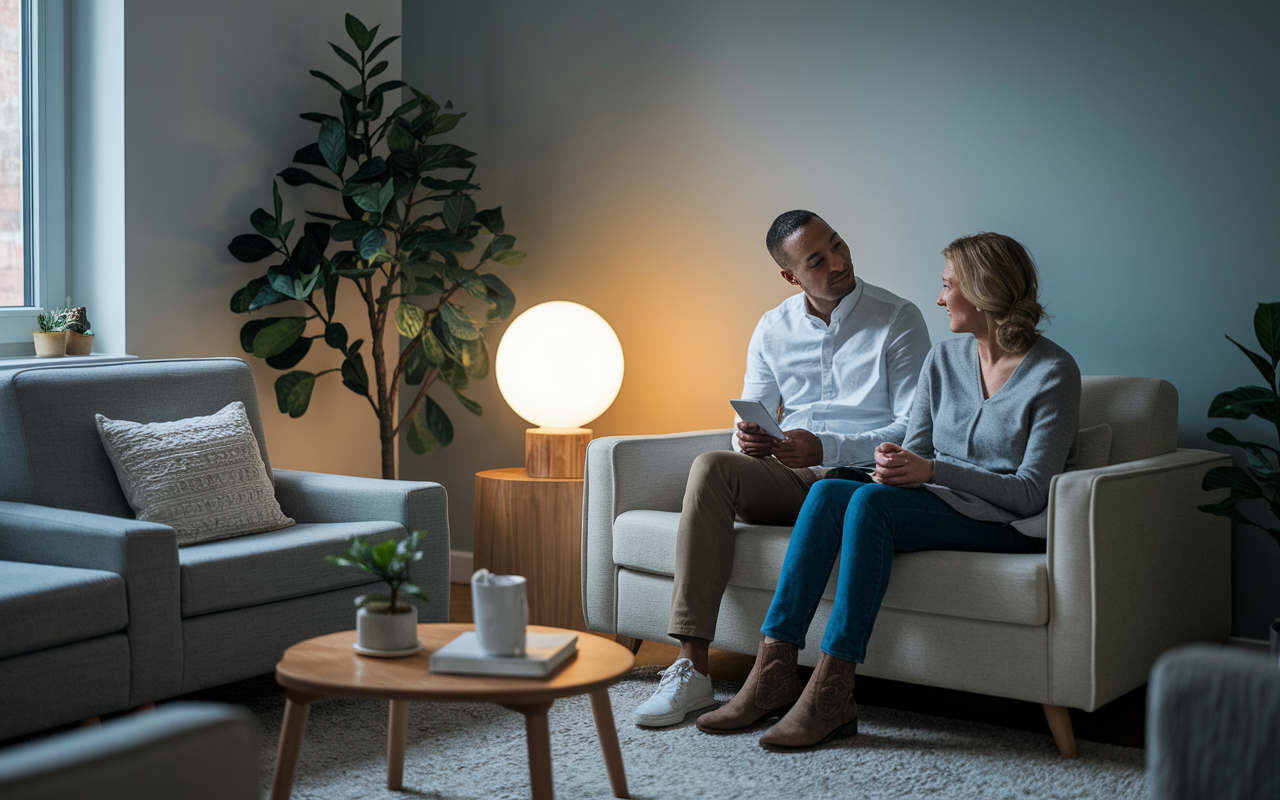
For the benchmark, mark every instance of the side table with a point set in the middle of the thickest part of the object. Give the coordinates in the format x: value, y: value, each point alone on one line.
x: 533, y: 527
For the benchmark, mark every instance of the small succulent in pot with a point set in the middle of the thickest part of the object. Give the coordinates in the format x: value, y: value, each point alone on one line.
x: 52, y: 321
x: 78, y: 320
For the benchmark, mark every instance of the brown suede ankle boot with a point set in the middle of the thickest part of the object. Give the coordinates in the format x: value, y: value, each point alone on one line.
x: 824, y: 712
x: 771, y: 688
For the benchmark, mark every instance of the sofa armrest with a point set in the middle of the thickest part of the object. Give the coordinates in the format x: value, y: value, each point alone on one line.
x: 145, y: 554
x: 417, y: 505
x: 181, y: 751
x: 1134, y: 569
x: 625, y: 473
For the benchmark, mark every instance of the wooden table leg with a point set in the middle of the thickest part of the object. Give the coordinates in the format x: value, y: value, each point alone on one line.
x: 295, y: 722
x: 397, y: 732
x: 602, y: 710
x: 539, y: 738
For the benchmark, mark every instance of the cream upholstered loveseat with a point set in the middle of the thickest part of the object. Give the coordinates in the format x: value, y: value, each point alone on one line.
x: 1132, y: 568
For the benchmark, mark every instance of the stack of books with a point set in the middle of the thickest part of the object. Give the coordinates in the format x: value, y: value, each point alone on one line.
x: 544, y: 653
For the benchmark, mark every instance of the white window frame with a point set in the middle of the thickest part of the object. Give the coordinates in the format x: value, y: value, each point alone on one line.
x: 46, y: 240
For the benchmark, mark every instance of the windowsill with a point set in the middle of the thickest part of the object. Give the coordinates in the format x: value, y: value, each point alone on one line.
x: 63, y: 361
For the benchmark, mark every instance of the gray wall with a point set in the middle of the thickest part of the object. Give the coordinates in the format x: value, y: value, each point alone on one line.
x: 212, y: 96
x: 641, y: 150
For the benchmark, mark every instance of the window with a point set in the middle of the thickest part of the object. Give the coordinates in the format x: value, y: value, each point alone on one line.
x: 15, y: 281
x: 33, y: 270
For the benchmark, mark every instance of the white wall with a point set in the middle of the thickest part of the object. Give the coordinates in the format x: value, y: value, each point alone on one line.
x: 212, y: 97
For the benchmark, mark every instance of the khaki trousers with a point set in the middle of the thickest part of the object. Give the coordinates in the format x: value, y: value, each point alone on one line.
x: 722, y: 485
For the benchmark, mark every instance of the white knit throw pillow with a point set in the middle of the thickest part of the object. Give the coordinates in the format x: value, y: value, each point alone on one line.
x: 202, y: 476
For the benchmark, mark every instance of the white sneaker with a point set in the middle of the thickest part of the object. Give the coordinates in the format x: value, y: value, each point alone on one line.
x: 681, y: 690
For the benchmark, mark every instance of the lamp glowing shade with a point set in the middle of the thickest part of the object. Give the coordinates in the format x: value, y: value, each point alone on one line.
x: 559, y: 365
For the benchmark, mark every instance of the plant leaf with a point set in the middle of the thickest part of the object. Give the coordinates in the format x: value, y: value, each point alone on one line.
x: 386, y: 86
x: 250, y: 329
x: 264, y: 223
x: 335, y: 335
x: 241, y: 299
x: 360, y: 35
x: 275, y: 197
x: 1244, y: 401
x: 372, y: 242
x: 443, y: 156
x: 459, y: 322
x: 371, y: 171
x: 310, y: 155
x: 293, y: 392
x: 266, y: 296
x: 348, y: 230
x: 468, y: 403
x: 445, y: 123
x: 1266, y: 326
x: 502, y: 298
x: 291, y: 356
x: 437, y: 420
x: 509, y: 257
x: 437, y: 185
x: 342, y: 89
x: 332, y: 145
x: 415, y: 366
x: 297, y: 177
x: 458, y: 212
x: 475, y: 357
x: 383, y: 46
x: 409, y: 319
x: 251, y: 247
x: 399, y: 139
x: 418, y: 437
x: 491, y: 219
x: 1263, y: 365
x: 1237, y: 480
x: 345, y: 56
x: 354, y: 375
x: 278, y: 336
x: 377, y: 69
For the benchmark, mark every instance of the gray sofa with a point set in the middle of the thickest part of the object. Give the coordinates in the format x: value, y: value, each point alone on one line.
x: 183, y: 751
x: 100, y: 612
x: 1131, y: 568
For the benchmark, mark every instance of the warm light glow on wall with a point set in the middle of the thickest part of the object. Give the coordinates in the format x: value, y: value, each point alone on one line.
x: 559, y: 365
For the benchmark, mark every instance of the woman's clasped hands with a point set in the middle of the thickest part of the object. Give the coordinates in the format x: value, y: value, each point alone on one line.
x: 897, y: 466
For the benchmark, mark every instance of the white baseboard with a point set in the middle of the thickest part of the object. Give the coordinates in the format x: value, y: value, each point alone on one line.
x: 460, y: 570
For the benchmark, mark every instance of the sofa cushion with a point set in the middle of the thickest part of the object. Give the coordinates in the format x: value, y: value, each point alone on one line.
x: 201, y: 476
x: 45, y: 606
x: 999, y: 587
x: 265, y: 567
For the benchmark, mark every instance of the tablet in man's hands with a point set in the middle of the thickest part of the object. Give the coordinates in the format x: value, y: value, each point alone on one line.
x: 754, y: 411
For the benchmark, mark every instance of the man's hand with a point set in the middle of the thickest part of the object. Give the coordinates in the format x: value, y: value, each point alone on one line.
x: 896, y: 466
x: 801, y: 448
x: 755, y: 442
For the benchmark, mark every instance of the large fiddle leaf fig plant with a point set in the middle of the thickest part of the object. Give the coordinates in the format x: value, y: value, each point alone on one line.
x: 1261, y: 479
x: 412, y: 234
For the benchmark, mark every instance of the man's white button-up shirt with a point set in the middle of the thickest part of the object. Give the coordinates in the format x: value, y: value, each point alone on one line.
x: 849, y: 383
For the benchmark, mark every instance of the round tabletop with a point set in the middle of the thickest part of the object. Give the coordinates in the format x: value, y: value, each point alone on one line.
x: 328, y: 666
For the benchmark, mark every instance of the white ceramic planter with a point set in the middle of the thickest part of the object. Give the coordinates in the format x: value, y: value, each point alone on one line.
x: 387, y: 633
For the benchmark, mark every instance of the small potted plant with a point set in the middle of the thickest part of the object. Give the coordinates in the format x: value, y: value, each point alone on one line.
x: 79, y: 334
x: 386, y: 625
x: 51, y: 338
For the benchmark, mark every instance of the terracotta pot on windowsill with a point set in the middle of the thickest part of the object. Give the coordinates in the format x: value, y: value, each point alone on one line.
x: 79, y: 344
x: 50, y: 344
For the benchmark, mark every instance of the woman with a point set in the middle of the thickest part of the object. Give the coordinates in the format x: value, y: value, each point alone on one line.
x: 994, y: 418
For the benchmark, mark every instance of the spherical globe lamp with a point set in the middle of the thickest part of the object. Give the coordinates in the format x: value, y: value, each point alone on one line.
x: 559, y: 366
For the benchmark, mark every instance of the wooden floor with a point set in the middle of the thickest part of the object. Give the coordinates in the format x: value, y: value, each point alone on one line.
x: 1122, y: 721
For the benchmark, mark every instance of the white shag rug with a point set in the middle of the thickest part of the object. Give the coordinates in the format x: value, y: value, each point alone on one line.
x: 470, y: 750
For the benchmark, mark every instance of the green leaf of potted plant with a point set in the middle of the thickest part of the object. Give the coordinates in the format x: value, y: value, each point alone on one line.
x: 386, y: 625
x: 51, y: 336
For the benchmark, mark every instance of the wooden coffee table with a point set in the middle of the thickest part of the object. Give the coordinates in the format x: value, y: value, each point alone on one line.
x: 327, y: 667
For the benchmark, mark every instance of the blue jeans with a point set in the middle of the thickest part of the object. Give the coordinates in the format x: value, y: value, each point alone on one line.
x: 864, y: 524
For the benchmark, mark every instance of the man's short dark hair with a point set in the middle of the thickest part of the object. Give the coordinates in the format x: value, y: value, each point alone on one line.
x: 786, y: 224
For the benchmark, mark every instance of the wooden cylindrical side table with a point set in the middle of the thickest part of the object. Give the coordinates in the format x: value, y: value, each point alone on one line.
x: 533, y: 527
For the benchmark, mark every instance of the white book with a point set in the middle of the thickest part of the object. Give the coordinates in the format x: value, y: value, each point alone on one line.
x: 544, y: 652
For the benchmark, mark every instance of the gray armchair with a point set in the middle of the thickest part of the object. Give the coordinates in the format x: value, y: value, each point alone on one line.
x: 183, y: 751
x: 189, y: 617
x: 1131, y: 568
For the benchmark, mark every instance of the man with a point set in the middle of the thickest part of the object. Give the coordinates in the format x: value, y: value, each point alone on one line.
x: 841, y: 359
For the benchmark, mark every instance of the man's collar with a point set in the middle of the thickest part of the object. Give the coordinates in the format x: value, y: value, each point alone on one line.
x: 847, y: 303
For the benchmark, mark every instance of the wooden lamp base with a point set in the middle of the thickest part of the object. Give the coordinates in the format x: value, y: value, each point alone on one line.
x: 556, y: 452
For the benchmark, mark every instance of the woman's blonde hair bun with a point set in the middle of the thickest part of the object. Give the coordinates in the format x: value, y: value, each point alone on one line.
x: 998, y: 276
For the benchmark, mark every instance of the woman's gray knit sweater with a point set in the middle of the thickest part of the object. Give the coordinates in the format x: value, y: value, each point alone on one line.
x: 993, y: 458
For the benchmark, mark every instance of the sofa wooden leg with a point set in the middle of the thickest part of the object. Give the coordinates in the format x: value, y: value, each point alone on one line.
x: 1060, y: 726
x: 630, y: 643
